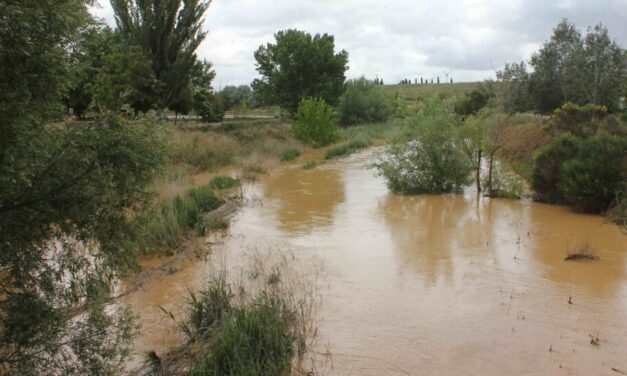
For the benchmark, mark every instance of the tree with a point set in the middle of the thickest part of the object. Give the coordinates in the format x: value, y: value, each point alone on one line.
x: 363, y: 102
x: 314, y: 123
x: 299, y: 66
x: 236, y: 96
x: 169, y: 32
x: 514, y: 87
x: 67, y: 196
x: 87, y: 54
x: 208, y: 105
x: 125, y: 78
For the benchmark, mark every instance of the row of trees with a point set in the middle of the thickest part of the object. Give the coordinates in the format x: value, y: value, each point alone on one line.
x: 570, y: 67
x: 148, y: 62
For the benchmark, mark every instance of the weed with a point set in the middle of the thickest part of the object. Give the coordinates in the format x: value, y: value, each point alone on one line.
x: 290, y: 154
x: 223, y: 182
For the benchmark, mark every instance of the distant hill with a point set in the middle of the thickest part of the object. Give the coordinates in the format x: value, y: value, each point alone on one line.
x: 413, y: 92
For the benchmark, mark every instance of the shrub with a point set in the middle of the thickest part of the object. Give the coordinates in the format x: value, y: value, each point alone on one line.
x: 547, y: 165
x: 577, y: 119
x: 363, y: 102
x: 290, y: 154
x: 314, y: 123
x: 471, y: 103
x: 433, y: 162
x: 591, y: 181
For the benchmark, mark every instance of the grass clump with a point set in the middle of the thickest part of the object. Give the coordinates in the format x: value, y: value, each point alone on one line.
x: 348, y: 148
x: 309, y: 165
x: 223, y: 182
x: 255, y: 324
x: 290, y: 154
x: 585, y: 252
x: 164, y: 227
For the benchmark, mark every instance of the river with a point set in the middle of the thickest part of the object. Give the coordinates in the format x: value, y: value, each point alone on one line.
x: 425, y: 285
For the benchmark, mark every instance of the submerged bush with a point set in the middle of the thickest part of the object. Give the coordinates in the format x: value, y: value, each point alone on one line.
x: 223, y: 182
x: 363, y: 102
x: 588, y: 174
x: 432, y: 162
x: 314, y: 123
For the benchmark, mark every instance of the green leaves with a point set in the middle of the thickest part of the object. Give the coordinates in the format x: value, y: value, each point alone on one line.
x: 314, y: 123
x: 299, y: 66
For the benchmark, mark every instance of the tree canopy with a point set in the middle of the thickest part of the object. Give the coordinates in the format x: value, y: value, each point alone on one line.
x: 299, y: 66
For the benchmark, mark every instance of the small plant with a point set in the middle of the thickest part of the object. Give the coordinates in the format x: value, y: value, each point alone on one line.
x: 585, y: 252
x: 309, y: 165
x: 314, y: 123
x: 290, y: 154
x: 223, y: 182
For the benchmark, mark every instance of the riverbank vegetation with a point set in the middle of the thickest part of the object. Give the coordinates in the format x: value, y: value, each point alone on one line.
x: 95, y: 171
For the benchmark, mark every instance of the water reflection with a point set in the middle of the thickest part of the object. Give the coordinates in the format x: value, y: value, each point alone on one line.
x: 306, y: 199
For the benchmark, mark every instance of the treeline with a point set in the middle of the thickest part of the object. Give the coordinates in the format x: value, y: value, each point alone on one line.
x: 148, y: 62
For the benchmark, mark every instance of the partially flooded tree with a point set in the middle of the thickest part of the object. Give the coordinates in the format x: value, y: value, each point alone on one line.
x: 67, y: 198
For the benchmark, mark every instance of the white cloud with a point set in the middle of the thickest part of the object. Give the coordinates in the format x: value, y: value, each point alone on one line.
x: 397, y: 39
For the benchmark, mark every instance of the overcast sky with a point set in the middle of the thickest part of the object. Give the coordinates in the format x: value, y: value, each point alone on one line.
x: 395, y: 39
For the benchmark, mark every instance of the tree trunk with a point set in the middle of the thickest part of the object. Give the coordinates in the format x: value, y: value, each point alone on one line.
x: 478, y: 172
x: 490, y: 164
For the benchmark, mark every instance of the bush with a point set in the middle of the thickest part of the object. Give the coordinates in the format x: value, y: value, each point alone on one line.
x: 578, y: 120
x: 592, y: 180
x: 471, y: 103
x: 547, y: 165
x: 290, y: 154
x: 587, y: 174
x: 433, y: 162
x: 314, y: 123
x: 363, y: 102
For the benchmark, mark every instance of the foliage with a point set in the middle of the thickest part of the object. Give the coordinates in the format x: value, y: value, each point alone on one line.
x: 290, y: 154
x: 208, y: 105
x: 299, y: 66
x: 472, y: 102
x: 514, y: 80
x: 125, y: 78
x: 169, y: 32
x: 67, y: 199
x: 580, y: 70
x: 592, y: 180
x: 618, y: 211
x: 314, y: 123
x: 363, y: 102
x: 578, y: 120
x: 432, y: 161
x: 588, y: 174
x: 547, y: 165
x: 238, y: 97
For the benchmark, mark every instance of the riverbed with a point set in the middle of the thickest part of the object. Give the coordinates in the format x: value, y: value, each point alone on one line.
x: 424, y: 285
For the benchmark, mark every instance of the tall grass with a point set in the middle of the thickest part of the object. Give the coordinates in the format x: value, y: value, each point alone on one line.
x: 255, y: 324
x: 164, y: 227
x: 348, y: 147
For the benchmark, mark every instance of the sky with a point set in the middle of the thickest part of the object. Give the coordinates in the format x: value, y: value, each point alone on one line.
x: 467, y: 40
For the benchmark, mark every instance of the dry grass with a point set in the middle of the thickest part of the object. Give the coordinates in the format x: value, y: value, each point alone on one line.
x: 584, y: 252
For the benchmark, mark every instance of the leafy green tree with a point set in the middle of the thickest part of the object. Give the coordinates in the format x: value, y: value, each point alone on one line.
x: 67, y: 197
x: 300, y: 66
x: 238, y: 96
x: 557, y: 69
x: 514, y: 80
x: 314, y: 123
x: 94, y: 42
x: 547, y: 165
x: 363, y: 102
x: 431, y: 159
x: 208, y: 105
x: 169, y: 31
x: 125, y: 78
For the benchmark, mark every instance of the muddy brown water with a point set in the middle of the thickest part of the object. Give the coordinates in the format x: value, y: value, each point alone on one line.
x: 426, y: 285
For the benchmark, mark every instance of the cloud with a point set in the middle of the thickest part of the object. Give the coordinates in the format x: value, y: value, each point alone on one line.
x: 396, y: 39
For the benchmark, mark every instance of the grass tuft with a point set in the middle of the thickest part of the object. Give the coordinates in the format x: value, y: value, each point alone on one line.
x: 585, y: 252
x: 223, y: 182
x: 290, y: 154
